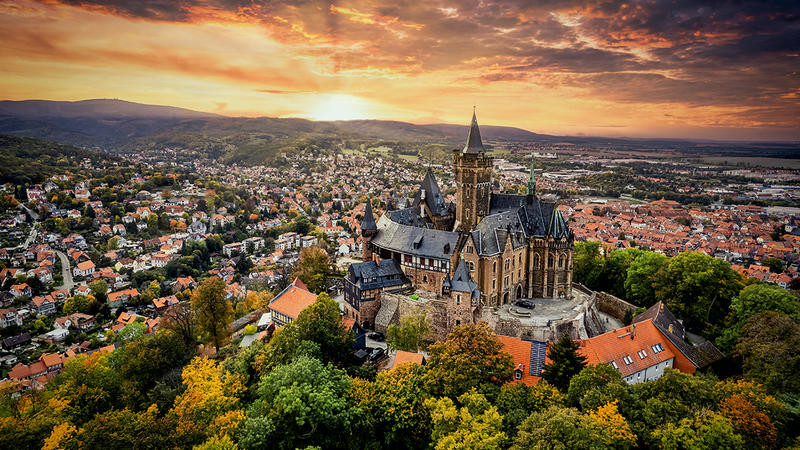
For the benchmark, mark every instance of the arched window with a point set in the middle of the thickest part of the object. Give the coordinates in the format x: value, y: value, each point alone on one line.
x: 494, y: 267
x: 561, y: 262
x: 536, y: 260
x: 550, y: 261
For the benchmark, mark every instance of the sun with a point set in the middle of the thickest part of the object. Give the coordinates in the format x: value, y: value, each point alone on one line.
x: 339, y: 107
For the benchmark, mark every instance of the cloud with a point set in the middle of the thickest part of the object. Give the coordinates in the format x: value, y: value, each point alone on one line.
x: 742, y: 56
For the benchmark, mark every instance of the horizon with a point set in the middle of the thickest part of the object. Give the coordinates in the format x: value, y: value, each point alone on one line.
x: 583, y: 69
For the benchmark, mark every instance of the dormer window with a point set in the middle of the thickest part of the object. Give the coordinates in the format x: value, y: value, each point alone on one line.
x: 658, y: 348
x: 614, y: 365
x: 517, y: 374
x: 642, y: 354
x: 627, y: 360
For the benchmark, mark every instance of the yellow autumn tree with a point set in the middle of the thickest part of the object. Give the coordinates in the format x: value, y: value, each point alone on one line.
x: 211, y: 404
x: 62, y: 435
x: 612, y: 426
x: 257, y: 300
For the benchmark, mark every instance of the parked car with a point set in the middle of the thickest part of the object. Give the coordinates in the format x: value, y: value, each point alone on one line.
x: 524, y: 304
x: 376, y: 336
x: 377, y: 354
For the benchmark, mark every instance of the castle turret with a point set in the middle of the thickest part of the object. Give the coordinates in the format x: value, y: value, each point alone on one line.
x: 368, y: 231
x: 531, y: 184
x: 473, y: 175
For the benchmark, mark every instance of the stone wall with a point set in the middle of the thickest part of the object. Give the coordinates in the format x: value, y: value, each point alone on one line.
x: 614, y: 306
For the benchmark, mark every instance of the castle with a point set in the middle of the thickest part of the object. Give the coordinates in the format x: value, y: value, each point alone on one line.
x: 486, y: 250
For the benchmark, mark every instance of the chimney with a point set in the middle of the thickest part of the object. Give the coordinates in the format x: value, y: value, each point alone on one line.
x: 633, y: 331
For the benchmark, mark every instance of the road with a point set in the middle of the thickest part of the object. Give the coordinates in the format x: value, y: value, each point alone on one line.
x: 66, y: 272
x: 32, y: 234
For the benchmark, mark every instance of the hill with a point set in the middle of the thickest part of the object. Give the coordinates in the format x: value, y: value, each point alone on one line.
x: 121, y: 126
x: 27, y: 160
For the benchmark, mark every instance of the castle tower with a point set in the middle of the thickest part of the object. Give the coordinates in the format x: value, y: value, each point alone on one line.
x: 368, y: 231
x: 531, y: 184
x: 472, y: 170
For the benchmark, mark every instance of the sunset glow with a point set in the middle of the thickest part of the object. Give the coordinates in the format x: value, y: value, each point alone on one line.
x: 597, y: 68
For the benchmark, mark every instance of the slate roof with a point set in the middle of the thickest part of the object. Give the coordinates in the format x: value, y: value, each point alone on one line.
x: 371, y: 275
x: 425, y: 242
x: 368, y: 223
x: 432, y: 195
x: 700, y: 355
x: 474, y: 144
x: 461, y: 281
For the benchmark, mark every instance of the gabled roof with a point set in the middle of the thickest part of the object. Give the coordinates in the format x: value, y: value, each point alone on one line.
x: 474, y: 144
x: 372, y: 275
x: 617, y: 345
x: 293, y: 300
x: 700, y: 355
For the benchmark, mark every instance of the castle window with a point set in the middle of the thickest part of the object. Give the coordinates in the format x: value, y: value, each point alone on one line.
x: 505, y: 282
x: 471, y: 266
x: 536, y: 260
x: 469, y: 249
x: 494, y: 267
x: 424, y: 278
x: 520, y: 258
x: 458, y: 322
x: 494, y: 284
x: 458, y: 299
x: 561, y: 261
x: 507, y: 264
x: 550, y: 261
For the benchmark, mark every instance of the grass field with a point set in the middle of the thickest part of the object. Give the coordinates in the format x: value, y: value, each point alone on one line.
x: 754, y: 161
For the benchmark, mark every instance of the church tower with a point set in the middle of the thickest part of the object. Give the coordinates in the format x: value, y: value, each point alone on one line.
x: 473, y: 175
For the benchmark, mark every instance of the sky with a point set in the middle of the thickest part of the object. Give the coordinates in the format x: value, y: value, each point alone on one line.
x: 726, y: 70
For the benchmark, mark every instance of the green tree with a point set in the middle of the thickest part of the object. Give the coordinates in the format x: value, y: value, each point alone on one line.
x: 99, y: 290
x: 704, y: 430
x: 698, y: 289
x: 768, y: 348
x: 565, y: 362
x: 517, y: 401
x: 557, y: 428
x: 587, y: 263
x: 615, y: 269
x: 775, y: 265
x: 413, y: 328
x: 752, y: 300
x: 470, y: 357
x: 391, y: 411
x: 597, y: 385
x: 300, y: 404
x: 475, y: 425
x: 212, y: 311
x: 640, y: 277
x: 313, y: 268
x: 320, y: 323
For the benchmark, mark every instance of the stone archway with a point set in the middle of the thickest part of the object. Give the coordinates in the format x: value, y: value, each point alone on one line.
x: 505, y: 298
x: 519, y: 292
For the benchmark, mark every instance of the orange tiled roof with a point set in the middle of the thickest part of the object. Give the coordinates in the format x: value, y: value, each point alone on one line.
x: 292, y: 301
x: 403, y: 357
x: 627, y: 342
x: 520, y: 352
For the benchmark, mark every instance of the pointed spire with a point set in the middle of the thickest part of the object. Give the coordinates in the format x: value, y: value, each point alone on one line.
x: 531, y: 181
x: 368, y: 222
x: 474, y: 144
